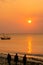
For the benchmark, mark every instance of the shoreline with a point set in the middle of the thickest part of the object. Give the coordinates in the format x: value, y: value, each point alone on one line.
x: 30, y: 57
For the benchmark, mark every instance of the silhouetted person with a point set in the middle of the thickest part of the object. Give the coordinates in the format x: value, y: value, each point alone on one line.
x: 16, y: 59
x: 24, y: 60
x: 9, y: 59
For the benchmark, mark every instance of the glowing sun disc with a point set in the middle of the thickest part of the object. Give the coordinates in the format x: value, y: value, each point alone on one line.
x: 29, y: 21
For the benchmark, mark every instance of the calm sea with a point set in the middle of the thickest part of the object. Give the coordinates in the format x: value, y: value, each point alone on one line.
x: 28, y: 43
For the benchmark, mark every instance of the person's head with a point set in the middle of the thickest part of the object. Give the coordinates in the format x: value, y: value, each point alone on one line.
x: 16, y: 53
x: 8, y: 54
x: 25, y: 55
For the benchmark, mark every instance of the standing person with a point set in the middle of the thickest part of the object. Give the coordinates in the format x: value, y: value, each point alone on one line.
x: 24, y: 60
x: 9, y: 59
x: 16, y: 59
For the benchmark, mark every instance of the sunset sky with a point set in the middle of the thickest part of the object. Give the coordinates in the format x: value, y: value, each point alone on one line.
x: 14, y: 16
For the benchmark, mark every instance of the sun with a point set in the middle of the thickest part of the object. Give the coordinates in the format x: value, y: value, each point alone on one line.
x: 29, y: 21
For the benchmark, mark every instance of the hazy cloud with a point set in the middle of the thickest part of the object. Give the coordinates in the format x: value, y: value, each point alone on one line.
x: 2, y: 0
x: 6, y: 0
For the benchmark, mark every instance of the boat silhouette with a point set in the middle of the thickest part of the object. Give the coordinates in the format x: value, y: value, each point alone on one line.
x: 5, y: 38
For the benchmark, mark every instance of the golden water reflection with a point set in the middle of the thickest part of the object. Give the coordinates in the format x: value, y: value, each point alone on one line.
x: 30, y: 45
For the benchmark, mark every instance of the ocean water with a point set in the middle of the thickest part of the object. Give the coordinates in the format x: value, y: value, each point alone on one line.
x: 26, y: 43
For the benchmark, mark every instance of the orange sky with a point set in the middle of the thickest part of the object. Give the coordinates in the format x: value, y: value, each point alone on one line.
x: 14, y: 15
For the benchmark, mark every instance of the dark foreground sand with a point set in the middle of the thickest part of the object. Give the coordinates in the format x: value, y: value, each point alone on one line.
x: 31, y: 60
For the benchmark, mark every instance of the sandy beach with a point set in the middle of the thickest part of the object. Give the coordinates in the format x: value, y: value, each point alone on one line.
x: 30, y: 60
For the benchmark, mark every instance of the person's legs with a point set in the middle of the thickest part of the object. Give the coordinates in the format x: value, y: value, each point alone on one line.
x: 9, y: 63
x: 15, y: 63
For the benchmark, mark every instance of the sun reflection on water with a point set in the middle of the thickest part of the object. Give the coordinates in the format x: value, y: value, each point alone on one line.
x: 30, y: 45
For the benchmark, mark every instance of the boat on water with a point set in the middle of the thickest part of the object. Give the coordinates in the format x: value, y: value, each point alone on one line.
x: 5, y: 38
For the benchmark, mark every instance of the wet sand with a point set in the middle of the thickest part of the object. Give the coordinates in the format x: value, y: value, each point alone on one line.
x: 30, y: 60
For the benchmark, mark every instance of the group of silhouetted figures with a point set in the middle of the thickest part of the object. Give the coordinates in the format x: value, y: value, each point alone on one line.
x: 16, y: 59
